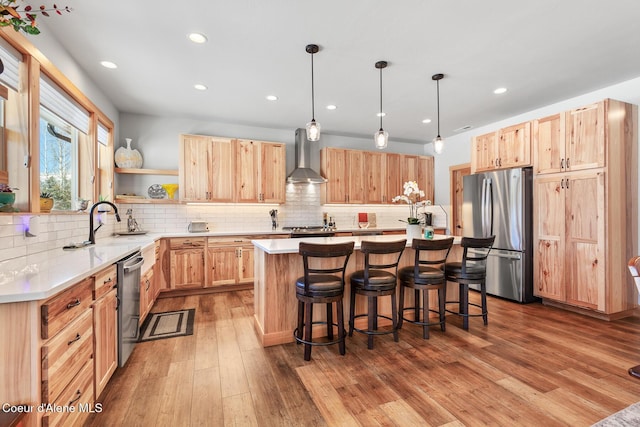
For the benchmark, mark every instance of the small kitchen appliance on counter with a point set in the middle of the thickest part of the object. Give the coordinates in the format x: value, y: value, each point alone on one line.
x: 198, y: 227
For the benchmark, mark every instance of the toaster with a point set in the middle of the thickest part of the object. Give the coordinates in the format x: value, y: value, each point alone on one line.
x: 198, y: 227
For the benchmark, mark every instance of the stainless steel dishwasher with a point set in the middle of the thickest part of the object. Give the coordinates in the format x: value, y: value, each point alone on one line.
x: 129, y: 304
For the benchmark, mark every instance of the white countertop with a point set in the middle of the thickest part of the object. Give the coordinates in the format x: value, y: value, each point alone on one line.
x: 290, y: 246
x: 42, y: 275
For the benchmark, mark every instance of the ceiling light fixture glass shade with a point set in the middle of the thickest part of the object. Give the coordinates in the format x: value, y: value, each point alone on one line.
x: 313, y: 128
x: 438, y: 142
x: 381, y: 138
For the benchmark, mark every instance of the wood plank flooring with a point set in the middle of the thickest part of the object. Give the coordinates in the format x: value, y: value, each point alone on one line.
x: 532, y: 365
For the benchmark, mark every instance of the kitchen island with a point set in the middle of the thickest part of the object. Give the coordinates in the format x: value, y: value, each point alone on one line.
x: 278, y: 265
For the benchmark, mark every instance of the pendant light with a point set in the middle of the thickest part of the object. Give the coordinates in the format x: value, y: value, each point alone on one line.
x: 438, y: 142
x: 381, y: 138
x: 313, y: 128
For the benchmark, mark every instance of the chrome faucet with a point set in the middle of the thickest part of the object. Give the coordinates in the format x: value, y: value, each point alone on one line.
x: 92, y: 231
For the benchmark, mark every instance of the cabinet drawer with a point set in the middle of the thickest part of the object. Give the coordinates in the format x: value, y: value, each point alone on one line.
x: 104, y: 281
x: 187, y: 242
x: 229, y: 241
x: 65, y: 354
x: 78, y: 393
x: 58, y: 311
x: 149, y: 259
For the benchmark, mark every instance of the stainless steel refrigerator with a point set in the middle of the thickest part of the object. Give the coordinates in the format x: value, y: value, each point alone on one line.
x: 500, y: 203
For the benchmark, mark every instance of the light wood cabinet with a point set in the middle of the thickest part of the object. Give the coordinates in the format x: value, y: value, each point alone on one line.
x: 483, y: 155
x: 571, y: 141
x: 186, y: 257
x: 229, y: 262
x: 506, y: 148
x: 585, y: 219
x: 214, y: 169
x: 147, y: 290
x: 358, y: 177
x: 205, y: 161
x: 105, y: 327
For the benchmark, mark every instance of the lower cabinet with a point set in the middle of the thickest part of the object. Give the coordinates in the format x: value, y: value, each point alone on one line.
x: 187, y: 262
x: 147, y: 293
x: 105, y: 335
x: 229, y: 262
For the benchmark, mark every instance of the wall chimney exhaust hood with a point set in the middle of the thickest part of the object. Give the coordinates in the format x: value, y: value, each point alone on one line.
x: 303, y: 174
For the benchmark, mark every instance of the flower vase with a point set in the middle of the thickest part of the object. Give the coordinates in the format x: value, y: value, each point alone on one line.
x: 128, y: 157
x: 414, y: 231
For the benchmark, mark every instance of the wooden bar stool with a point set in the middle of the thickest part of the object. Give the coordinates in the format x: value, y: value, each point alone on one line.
x: 427, y: 273
x: 471, y: 270
x: 634, y: 269
x: 376, y: 281
x: 322, y: 283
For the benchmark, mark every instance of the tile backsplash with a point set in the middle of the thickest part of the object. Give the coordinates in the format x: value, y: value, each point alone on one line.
x: 303, y: 207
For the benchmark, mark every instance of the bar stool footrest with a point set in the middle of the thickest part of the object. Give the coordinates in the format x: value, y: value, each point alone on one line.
x: 457, y: 313
x: 319, y: 343
x: 376, y: 332
x: 434, y: 323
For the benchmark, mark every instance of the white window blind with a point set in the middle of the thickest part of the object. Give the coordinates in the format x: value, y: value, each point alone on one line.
x: 103, y: 135
x: 58, y: 102
x: 11, y: 59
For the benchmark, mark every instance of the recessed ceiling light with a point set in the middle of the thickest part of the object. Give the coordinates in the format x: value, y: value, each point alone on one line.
x: 197, y: 38
x: 331, y: 107
x: 108, y: 64
x: 425, y: 121
x: 500, y: 90
x: 199, y: 86
x: 381, y: 114
x: 272, y: 97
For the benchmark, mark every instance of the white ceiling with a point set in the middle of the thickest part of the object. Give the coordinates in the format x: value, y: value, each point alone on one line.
x: 543, y: 51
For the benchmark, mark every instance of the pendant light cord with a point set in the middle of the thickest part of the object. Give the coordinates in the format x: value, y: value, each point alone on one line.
x: 380, y: 98
x: 313, y: 101
x: 438, y: 103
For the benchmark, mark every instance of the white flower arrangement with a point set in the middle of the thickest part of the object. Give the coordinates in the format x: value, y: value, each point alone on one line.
x: 412, y: 195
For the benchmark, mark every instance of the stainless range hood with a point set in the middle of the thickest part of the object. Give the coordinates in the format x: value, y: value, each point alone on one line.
x: 303, y: 174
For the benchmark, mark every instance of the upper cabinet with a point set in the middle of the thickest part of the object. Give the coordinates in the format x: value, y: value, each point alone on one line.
x: 570, y: 141
x: 503, y: 149
x: 371, y: 177
x: 225, y: 170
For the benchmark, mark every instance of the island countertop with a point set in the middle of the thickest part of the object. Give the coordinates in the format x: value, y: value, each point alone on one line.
x: 290, y: 246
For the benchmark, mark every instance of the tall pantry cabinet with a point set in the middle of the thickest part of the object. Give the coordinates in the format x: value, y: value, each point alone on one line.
x: 585, y: 207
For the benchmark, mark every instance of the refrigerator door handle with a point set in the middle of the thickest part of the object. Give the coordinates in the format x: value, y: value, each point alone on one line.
x: 505, y: 254
x: 490, y: 208
x: 483, y: 207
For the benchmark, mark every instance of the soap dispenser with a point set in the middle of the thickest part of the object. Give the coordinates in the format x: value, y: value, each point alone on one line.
x: 428, y: 229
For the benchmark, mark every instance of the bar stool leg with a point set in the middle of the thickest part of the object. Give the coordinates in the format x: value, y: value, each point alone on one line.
x: 425, y: 314
x: 341, y: 330
x: 330, y: 321
x: 300, y: 319
x: 394, y: 316
x: 308, y: 330
x: 416, y: 300
x: 401, y: 307
x: 483, y: 292
x: 442, y: 297
x: 352, y: 311
x: 464, y: 305
x: 372, y: 317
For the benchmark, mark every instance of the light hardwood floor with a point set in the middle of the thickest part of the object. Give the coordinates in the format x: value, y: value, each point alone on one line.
x: 532, y: 366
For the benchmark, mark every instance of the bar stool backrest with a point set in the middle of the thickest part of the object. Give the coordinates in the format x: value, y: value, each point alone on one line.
x: 313, y: 253
x: 436, y: 252
x: 475, y: 252
x: 374, y: 255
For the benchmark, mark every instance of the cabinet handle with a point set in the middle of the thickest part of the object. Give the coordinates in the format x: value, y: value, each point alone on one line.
x: 75, y: 339
x: 568, y: 163
x: 148, y: 284
x: 567, y: 183
x: 562, y: 183
x: 73, y: 304
x: 79, y: 395
x: 187, y: 242
x: 561, y: 163
x: 109, y: 280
